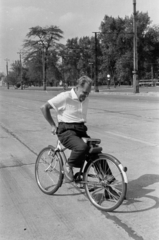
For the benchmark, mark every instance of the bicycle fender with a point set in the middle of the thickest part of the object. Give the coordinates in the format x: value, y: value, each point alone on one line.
x: 124, y: 173
x: 117, y: 162
x: 109, y: 156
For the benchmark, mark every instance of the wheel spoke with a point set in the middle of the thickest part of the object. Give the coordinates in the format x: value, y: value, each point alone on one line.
x: 104, y: 184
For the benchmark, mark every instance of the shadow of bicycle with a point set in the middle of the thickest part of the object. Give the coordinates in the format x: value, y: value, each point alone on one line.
x: 139, y: 195
x: 73, y: 189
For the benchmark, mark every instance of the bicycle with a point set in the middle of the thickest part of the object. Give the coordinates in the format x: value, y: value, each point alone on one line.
x: 103, y: 177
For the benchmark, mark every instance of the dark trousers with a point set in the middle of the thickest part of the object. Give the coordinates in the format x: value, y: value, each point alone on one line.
x: 70, y: 135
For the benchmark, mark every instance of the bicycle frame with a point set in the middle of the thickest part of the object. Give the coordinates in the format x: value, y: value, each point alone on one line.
x: 102, y: 175
x: 61, y: 150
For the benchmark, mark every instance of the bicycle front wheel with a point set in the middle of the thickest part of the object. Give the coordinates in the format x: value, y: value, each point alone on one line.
x: 48, y: 170
x: 105, y: 182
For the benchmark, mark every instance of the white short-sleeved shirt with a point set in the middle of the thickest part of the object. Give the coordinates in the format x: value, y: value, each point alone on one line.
x: 69, y: 108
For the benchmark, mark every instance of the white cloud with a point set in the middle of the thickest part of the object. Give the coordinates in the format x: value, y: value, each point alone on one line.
x: 70, y: 17
x: 19, y: 15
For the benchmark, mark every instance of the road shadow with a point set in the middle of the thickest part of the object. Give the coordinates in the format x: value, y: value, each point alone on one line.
x: 139, y: 196
x: 73, y: 190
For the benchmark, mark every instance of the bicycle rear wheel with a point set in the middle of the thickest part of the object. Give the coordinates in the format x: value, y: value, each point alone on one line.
x: 105, y: 182
x: 48, y: 170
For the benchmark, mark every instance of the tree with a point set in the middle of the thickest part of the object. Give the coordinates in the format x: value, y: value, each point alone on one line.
x: 14, y: 76
x: 77, y: 55
x: 42, y: 41
x: 150, y: 57
x: 12, y: 79
x: 117, y: 46
x: 114, y: 44
x: 2, y: 75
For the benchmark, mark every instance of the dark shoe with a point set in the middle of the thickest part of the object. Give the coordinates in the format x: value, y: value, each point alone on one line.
x: 68, y: 172
x: 78, y: 177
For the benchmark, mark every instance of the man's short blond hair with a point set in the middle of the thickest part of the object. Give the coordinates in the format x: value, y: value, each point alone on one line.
x: 84, y: 79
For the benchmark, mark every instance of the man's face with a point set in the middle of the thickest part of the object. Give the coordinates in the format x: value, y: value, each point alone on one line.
x: 83, y: 92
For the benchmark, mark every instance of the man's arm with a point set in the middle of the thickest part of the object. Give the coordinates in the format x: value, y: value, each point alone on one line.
x: 45, y: 108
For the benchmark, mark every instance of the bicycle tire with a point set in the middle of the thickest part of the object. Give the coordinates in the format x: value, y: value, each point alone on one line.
x: 105, y: 189
x: 48, y: 170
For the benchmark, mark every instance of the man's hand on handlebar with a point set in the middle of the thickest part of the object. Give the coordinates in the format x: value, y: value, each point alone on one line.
x: 54, y: 130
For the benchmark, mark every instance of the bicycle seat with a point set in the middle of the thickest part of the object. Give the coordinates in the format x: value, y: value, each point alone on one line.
x: 92, y: 140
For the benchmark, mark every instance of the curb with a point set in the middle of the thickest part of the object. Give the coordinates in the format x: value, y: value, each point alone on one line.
x: 152, y: 94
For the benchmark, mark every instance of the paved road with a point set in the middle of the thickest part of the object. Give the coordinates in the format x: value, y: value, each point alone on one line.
x: 128, y: 127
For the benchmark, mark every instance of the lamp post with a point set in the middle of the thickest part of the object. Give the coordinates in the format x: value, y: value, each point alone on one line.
x: 108, y: 81
x: 21, y: 77
x: 63, y: 74
x: 96, y: 65
x: 91, y: 66
x: 44, y: 68
x: 135, y: 57
x: 42, y: 49
x: 21, y: 72
x: 7, y: 72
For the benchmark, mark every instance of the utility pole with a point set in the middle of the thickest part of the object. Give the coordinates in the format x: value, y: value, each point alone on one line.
x: 44, y: 68
x: 42, y: 48
x: 135, y: 57
x: 21, y: 78
x: 91, y: 66
x: 7, y: 72
x: 152, y: 71
x: 96, y: 65
x: 63, y: 77
x: 63, y: 73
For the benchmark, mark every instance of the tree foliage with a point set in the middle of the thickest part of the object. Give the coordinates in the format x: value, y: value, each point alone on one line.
x: 117, y: 46
x: 41, y: 47
x: 114, y: 52
x: 77, y: 56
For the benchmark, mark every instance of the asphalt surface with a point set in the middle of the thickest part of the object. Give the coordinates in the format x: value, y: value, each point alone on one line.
x: 126, y: 123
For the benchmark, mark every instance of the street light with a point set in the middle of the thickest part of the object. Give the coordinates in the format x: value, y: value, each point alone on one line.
x: 21, y: 78
x: 135, y: 70
x: 44, y: 68
x: 63, y: 73
x: 108, y: 81
x: 96, y: 65
x: 91, y: 65
x: 7, y: 72
x: 42, y: 48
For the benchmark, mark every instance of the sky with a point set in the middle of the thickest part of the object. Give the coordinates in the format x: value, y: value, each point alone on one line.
x: 76, y: 18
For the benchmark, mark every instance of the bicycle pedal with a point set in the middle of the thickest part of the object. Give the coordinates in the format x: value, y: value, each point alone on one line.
x: 78, y: 177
